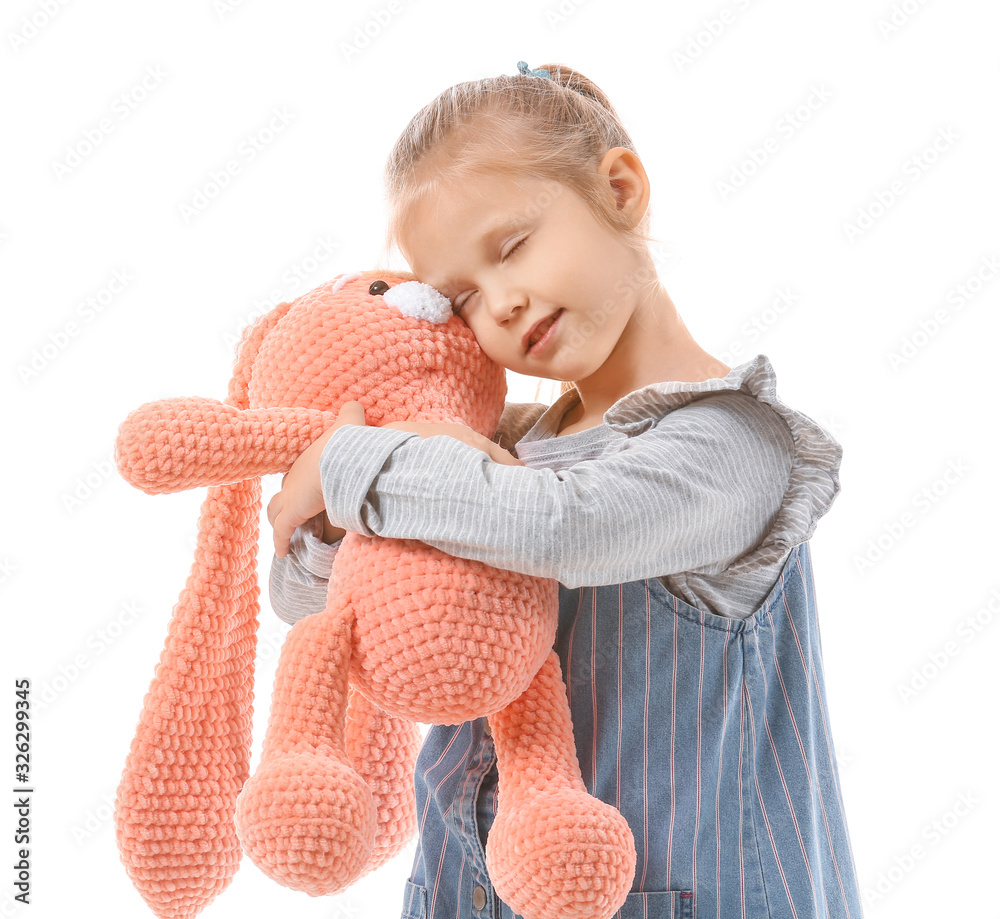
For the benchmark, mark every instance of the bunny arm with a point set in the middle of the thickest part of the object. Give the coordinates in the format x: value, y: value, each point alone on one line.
x: 175, y: 444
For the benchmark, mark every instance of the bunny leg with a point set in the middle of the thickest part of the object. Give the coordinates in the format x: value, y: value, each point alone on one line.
x: 554, y: 851
x: 383, y: 750
x: 305, y: 817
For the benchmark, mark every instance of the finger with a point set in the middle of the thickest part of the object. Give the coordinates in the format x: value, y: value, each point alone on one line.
x: 282, y: 537
x: 273, y: 508
x: 492, y: 449
x: 499, y: 455
x: 351, y: 413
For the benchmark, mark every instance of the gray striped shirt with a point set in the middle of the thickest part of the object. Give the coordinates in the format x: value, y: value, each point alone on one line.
x: 707, y: 486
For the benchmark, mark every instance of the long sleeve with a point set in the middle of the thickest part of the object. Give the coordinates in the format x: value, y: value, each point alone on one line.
x: 299, y: 582
x: 693, y: 492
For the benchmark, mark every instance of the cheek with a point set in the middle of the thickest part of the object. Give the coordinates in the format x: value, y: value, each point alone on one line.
x: 476, y: 331
x: 489, y: 343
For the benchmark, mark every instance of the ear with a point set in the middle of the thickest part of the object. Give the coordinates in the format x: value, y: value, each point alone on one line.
x: 246, y: 353
x: 628, y: 180
x: 202, y: 691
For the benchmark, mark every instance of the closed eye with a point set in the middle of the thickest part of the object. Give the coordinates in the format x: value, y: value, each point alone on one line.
x: 457, y: 307
x: 514, y: 249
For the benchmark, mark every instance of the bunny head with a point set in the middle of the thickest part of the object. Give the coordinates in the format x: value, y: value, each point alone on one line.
x: 379, y: 338
x: 383, y: 339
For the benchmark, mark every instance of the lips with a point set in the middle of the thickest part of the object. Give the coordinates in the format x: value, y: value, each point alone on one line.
x: 538, y: 329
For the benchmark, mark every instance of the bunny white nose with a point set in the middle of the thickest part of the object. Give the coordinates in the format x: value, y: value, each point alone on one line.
x: 420, y: 301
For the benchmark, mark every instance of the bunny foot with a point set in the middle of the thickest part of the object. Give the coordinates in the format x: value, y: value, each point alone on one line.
x: 558, y: 853
x: 308, y: 820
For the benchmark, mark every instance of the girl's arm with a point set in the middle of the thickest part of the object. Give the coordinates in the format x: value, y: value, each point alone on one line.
x: 695, y: 491
x: 299, y: 582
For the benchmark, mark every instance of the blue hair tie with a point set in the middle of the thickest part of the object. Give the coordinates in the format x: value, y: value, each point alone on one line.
x: 522, y: 66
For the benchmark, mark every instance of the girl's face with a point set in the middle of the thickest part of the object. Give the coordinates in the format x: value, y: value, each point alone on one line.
x: 509, y: 253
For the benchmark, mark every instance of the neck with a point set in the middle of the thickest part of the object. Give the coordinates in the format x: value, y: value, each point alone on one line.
x: 655, y: 346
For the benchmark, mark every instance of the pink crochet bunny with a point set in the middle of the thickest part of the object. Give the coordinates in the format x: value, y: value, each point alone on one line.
x: 408, y: 634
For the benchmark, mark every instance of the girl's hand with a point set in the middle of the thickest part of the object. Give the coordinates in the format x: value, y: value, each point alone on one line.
x: 301, y: 494
x: 460, y: 432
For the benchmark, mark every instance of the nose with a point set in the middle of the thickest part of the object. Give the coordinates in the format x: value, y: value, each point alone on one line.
x: 503, y: 302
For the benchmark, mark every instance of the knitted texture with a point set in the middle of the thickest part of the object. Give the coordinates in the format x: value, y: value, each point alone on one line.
x: 408, y: 634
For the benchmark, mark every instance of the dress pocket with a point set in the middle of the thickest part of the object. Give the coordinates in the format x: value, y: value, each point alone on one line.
x: 414, y: 902
x: 658, y: 904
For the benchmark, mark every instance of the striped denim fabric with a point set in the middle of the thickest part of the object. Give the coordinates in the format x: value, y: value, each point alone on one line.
x: 710, y: 734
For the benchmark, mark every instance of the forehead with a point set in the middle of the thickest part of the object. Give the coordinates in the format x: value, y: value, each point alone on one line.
x: 441, y: 232
x: 451, y: 223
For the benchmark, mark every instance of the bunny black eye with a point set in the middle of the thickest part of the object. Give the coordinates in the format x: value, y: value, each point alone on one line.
x: 378, y: 288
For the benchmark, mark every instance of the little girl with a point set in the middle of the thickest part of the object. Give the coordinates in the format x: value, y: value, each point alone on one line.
x: 671, y: 496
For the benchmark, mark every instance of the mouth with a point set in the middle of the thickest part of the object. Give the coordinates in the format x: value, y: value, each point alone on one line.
x: 538, y: 330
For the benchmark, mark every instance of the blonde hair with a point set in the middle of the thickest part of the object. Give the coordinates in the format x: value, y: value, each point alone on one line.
x: 513, y: 125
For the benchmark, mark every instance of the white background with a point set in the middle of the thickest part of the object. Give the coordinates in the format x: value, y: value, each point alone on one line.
x: 905, y: 561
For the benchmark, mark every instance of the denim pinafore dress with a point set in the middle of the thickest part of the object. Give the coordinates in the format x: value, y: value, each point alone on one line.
x: 725, y: 769
x: 710, y: 734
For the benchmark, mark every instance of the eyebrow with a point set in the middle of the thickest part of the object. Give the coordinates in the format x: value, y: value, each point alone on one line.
x: 487, y: 241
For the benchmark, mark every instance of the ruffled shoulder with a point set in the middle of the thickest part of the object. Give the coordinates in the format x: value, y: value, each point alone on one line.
x: 814, y: 481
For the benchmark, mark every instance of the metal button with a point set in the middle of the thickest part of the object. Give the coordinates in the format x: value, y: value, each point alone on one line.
x: 479, y: 897
x: 487, y: 727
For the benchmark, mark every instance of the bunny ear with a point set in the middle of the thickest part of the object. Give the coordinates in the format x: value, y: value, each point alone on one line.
x: 190, y: 756
x: 246, y: 354
x: 342, y: 279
